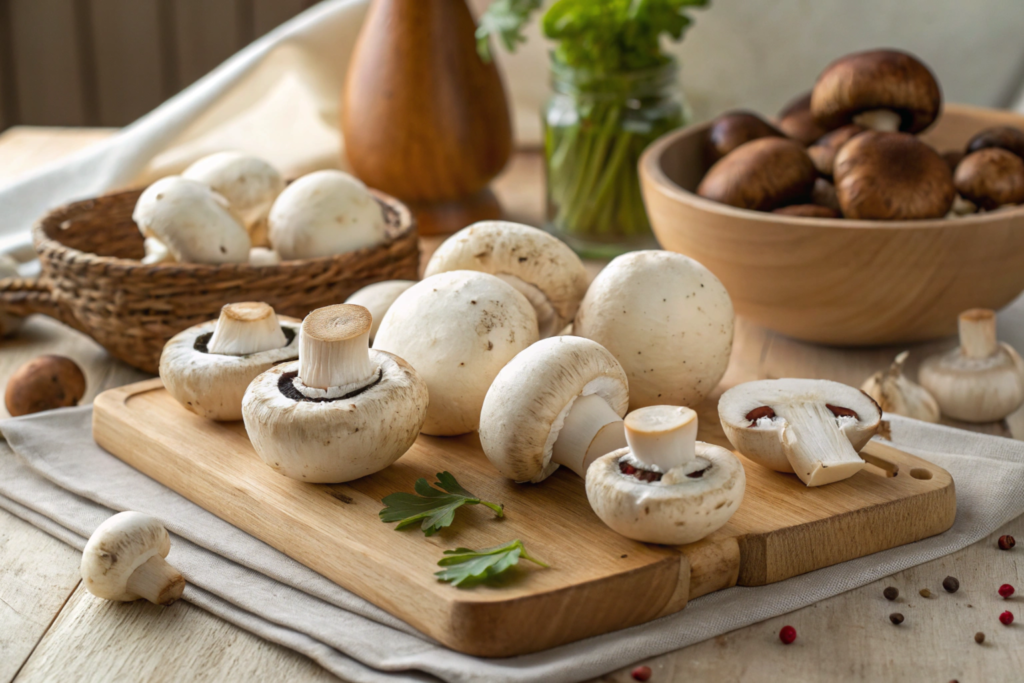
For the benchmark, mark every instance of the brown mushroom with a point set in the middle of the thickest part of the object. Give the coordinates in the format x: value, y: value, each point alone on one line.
x: 990, y: 178
x: 824, y: 194
x: 880, y: 89
x: 796, y: 120
x: 807, y: 211
x: 823, y: 152
x: 892, y: 176
x: 952, y: 158
x: 761, y: 175
x: 732, y: 129
x: 1004, y: 137
x: 44, y: 383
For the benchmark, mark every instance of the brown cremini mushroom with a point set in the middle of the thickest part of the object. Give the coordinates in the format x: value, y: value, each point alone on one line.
x: 990, y: 178
x: 761, y: 175
x: 892, y: 176
x: 1004, y: 137
x: 44, y: 383
x: 796, y: 121
x: 807, y: 211
x: 953, y: 158
x: 884, y: 90
x: 734, y: 128
x: 824, y: 194
x: 823, y: 152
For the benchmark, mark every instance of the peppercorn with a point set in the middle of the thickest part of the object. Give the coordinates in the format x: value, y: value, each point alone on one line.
x: 642, y: 673
x: 1006, y: 542
x: 896, y: 618
x: 925, y: 593
x: 891, y: 593
x: 951, y: 584
x: 787, y: 634
x: 1006, y: 618
x: 1006, y: 590
x: 979, y: 637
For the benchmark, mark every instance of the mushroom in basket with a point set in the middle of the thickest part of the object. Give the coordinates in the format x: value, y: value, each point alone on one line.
x: 665, y: 487
x: 342, y: 411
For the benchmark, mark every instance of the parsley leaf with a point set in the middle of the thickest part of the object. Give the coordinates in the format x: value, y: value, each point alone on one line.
x: 435, y: 506
x: 465, y: 566
x: 504, y: 19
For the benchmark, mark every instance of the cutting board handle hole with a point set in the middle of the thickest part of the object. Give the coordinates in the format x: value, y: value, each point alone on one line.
x: 920, y: 473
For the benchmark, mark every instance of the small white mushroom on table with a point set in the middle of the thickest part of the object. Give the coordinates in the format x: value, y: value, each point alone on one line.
x: 666, y: 487
x: 124, y: 560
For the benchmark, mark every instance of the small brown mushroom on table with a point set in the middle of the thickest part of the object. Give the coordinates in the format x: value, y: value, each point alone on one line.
x: 990, y: 178
x: 734, y: 128
x: 761, y: 175
x: 797, y: 121
x: 44, y: 383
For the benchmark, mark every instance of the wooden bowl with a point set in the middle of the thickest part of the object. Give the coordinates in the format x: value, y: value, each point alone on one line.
x: 836, y: 281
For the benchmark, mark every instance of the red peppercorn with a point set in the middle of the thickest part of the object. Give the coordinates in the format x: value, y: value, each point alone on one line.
x: 1006, y: 618
x: 787, y: 634
x: 642, y: 673
x: 1006, y: 590
x: 1006, y: 542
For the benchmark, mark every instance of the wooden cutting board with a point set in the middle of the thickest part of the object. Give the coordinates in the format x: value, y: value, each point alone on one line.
x: 598, y: 581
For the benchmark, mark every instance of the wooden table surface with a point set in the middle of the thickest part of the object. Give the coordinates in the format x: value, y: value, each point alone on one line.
x: 52, y: 629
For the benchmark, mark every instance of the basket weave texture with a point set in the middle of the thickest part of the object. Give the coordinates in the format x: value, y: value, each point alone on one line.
x: 93, y: 281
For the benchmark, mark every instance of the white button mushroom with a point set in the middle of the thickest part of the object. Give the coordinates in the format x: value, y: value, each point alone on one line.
x: 559, y: 402
x: 812, y: 427
x: 983, y: 379
x: 667, y: 319
x: 377, y: 299
x: 458, y: 329
x: 9, y: 324
x: 342, y: 411
x: 544, y: 269
x: 249, y: 184
x: 261, y: 256
x: 666, y: 487
x: 192, y: 221
x: 325, y: 213
x: 207, y: 368
x: 156, y: 252
x: 124, y: 560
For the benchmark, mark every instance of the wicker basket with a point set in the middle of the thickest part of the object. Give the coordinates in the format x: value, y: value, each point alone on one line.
x: 92, y: 279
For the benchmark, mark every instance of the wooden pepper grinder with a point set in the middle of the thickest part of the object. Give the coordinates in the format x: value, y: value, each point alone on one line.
x: 424, y: 117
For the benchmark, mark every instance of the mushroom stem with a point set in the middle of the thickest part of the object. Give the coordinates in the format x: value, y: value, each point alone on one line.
x: 244, y: 328
x: 334, y: 347
x: 815, y: 445
x: 662, y: 436
x: 885, y: 120
x: 591, y: 429
x: 548, y: 320
x: 978, y: 333
x: 156, y: 581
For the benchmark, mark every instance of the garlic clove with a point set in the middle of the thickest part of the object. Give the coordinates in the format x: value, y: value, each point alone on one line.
x: 895, y: 393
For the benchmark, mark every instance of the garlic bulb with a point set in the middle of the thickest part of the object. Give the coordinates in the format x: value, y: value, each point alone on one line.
x: 897, y: 394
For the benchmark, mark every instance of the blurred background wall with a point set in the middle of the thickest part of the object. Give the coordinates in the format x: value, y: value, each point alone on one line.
x: 106, y: 62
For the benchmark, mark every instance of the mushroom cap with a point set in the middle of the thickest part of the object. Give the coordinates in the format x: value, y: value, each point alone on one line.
x: 532, y: 256
x: 44, y: 383
x: 807, y: 211
x: 797, y: 122
x: 823, y: 152
x: 118, y: 547
x: 675, y: 510
x: 760, y: 441
x: 762, y: 175
x: 195, y: 223
x: 262, y: 257
x: 667, y: 319
x: 377, y: 299
x: 458, y: 329
x: 527, y: 404
x: 323, y: 214
x: 1004, y: 137
x: 9, y: 324
x: 877, y: 79
x: 212, y: 385
x: 892, y: 176
x: 953, y: 159
x: 734, y: 128
x: 249, y: 183
x: 334, y: 440
x: 990, y: 177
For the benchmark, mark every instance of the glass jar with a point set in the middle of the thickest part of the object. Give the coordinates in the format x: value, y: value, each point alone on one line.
x: 595, y: 128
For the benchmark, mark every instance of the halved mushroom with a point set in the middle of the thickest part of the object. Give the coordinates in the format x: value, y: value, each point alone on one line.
x: 892, y: 176
x: 342, y: 411
x: 377, y: 299
x: 124, y: 560
x: 542, y: 268
x: 823, y: 151
x: 458, y: 329
x: 762, y: 175
x: 207, y: 368
x: 194, y: 223
x: 559, y: 402
x: 734, y: 128
x: 884, y: 90
x: 811, y: 427
x: 797, y: 121
x: 1004, y: 137
x: 990, y: 178
x: 666, y: 487
x: 983, y: 379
